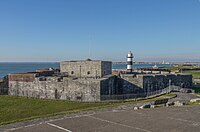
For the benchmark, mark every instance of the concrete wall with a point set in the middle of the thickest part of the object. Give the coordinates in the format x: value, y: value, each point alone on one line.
x: 90, y: 69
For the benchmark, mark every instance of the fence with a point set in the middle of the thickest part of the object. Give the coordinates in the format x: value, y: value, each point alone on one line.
x: 141, y: 95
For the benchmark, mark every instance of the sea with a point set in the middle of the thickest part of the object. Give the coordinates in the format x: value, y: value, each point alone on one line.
x: 18, y: 67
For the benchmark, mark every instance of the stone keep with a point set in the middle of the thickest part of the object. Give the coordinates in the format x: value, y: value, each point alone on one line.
x: 88, y: 69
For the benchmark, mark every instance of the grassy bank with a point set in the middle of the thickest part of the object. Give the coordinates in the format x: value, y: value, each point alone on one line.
x: 178, y: 67
x: 195, y: 74
x: 193, y: 70
x: 14, y: 109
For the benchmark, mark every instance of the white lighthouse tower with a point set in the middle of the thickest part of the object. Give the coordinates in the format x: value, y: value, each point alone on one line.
x: 129, y: 62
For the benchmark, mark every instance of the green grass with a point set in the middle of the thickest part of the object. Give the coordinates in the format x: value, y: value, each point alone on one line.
x: 197, y: 90
x: 175, y: 68
x: 193, y: 103
x: 194, y: 74
x: 170, y: 95
x: 178, y: 67
x: 194, y: 71
x: 15, y: 109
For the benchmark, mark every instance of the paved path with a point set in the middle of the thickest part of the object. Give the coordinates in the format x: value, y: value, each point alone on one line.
x: 124, y: 118
x: 184, y: 97
x: 182, y: 119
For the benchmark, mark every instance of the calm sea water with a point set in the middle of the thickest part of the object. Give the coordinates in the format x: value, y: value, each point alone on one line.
x: 6, y: 68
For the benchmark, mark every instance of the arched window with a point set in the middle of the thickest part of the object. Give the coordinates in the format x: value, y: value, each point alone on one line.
x: 88, y: 72
x: 56, y: 94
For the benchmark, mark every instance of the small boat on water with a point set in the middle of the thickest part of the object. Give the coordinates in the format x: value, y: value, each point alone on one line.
x: 155, y: 67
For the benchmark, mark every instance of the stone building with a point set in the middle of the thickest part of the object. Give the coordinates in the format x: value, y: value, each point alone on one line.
x: 89, y: 81
x: 77, y: 81
x: 88, y: 68
x: 64, y: 89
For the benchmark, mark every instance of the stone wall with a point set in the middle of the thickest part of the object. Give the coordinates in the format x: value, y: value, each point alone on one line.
x: 89, y: 69
x: 106, y: 68
x: 110, y: 86
x: 131, y: 83
x: 156, y: 82
x: 4, y: 86
x: 90, y: 89
x: 25, y: 77
x: 67, y: 88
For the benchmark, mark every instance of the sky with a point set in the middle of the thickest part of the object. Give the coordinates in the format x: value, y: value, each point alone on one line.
x: 57, y: 30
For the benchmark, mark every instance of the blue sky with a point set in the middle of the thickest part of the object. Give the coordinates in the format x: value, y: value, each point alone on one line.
x: 56, y: 30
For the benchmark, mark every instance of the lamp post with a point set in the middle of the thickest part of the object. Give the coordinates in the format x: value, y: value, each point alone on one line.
x: 170, y: 85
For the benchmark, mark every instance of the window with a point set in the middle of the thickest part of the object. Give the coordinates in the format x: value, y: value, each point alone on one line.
x: 78, y: 97
x: 88, y: 72
x: 42, y: 79
x: 56, y: 94
x: 60, y: 79
x: 72, y: 72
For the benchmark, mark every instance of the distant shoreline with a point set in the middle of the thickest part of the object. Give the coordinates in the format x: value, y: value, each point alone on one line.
x: 158, y: 63
x: 18, y: 67
x: 139, y: 62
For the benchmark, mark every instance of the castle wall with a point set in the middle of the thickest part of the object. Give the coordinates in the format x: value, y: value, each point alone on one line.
x: 66, y: 88
x: 153, y: 83
x: 91, y: 89
x: 110, y: 86
x: 132, y: 83
x: 4, y: 86
x: 54, y: 88
x: 106, y: 68
x: 156, y: 82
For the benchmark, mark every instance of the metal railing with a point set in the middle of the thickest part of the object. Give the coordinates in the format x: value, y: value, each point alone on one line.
x: 141, y: 95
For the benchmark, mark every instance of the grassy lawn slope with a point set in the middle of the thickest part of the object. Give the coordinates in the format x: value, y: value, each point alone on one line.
x: 14, y: 109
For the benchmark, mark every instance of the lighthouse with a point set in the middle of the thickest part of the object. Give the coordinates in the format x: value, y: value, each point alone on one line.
x: 129, y: 62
